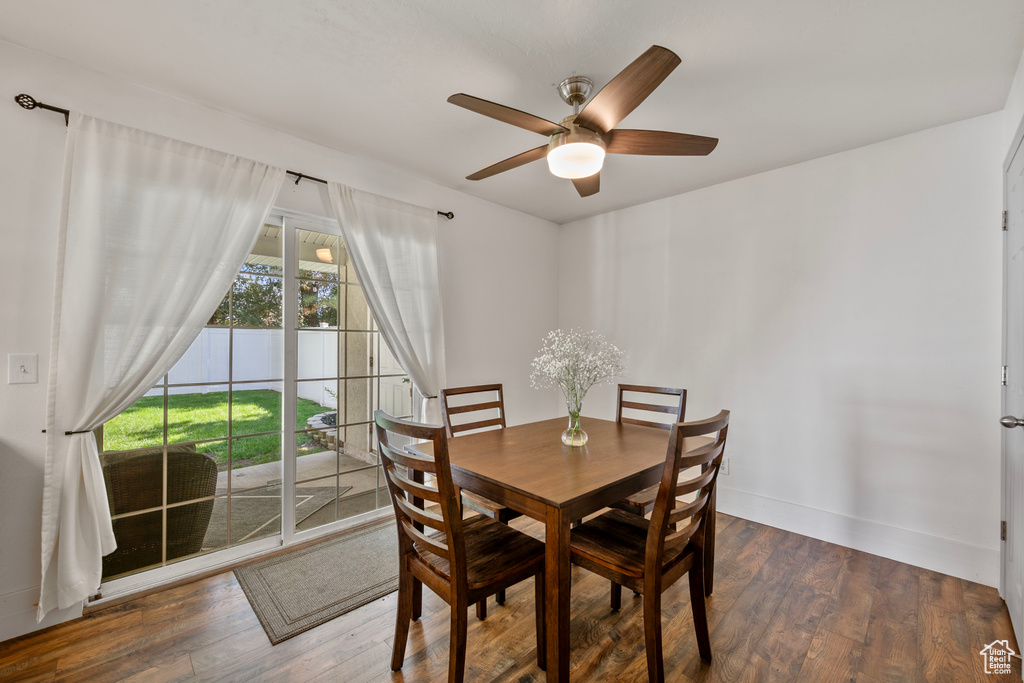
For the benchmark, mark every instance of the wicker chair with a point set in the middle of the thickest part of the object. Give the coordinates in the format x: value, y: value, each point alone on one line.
x: 134, y: 481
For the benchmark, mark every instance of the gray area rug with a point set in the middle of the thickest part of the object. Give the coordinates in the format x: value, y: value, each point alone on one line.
x: 295, y: 591
x: 256, y: 514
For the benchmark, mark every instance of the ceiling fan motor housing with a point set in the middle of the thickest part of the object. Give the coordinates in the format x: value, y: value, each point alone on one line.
x: 576, y: 134
x: 575, y: 90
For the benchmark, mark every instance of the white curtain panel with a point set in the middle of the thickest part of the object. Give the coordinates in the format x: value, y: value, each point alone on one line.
x: 152, y: 233
x: 393, y: 247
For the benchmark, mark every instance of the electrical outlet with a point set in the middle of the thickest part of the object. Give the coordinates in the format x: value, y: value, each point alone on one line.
x: 22, y: 368
x: 725, y: 466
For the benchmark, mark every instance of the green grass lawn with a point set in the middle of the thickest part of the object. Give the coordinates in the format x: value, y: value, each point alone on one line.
x: 196, y: 417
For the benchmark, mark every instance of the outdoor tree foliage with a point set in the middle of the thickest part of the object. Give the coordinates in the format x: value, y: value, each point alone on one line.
x: 255, y: 299
x: 318, y: 300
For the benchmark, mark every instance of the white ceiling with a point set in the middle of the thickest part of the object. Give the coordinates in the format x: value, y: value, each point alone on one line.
x: 777, y: 81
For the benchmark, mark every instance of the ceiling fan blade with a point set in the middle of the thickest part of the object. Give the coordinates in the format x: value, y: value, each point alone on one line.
x: 506, y: 114
x: 510, y: 163
x: 589, y: 185
x: 627, y: 90
x: 658, y: 142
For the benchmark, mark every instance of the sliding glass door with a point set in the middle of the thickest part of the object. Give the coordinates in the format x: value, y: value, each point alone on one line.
x: 263, y: 430
x: 343, y: 371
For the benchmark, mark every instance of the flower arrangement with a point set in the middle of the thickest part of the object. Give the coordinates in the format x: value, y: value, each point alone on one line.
x: 574, y: 361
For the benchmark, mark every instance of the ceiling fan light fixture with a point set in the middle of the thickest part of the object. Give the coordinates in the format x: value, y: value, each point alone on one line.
x: 575, y: 160
x: 577, y: 153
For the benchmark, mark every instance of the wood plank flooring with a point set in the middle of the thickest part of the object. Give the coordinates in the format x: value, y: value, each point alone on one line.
x: 786, y: 608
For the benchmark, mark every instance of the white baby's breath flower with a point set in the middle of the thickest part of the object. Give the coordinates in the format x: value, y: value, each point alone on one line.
x: 574, y: 361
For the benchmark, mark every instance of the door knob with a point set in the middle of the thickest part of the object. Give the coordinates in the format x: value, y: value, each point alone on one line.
x: 1010, y: 422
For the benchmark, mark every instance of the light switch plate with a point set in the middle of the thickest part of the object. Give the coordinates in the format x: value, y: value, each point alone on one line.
x: 22, y: 368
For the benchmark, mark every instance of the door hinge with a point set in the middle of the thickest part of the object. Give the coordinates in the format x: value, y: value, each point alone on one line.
x: 1004, y: 221
x: 1002, y: 530
x: 1004, y: 375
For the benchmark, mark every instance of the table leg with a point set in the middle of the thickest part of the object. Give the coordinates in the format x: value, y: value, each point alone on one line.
x: 558, y: 583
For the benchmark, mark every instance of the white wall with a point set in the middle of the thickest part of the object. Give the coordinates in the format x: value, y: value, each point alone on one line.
x: 847, y: 311
x: 499, y: 269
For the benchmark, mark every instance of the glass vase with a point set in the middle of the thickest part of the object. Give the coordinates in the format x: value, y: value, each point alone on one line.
x: 574, y: 435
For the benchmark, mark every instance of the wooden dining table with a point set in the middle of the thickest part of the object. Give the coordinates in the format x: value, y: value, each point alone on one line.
x: 528, y: 469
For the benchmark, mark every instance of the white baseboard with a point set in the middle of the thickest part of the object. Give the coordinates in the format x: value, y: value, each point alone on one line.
x: 18, y: 614
x: 962, y: 560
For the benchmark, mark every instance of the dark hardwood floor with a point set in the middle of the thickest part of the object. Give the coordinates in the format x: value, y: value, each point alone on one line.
x: 785, y: 608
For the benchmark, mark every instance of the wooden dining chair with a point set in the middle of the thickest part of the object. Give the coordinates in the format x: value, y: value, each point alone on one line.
x: 648, y: 555
x: 643, y: 502
x: 486, y: 411
x: 462, y: 561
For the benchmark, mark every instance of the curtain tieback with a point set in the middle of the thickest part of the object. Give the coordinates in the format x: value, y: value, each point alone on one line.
x: 81, y: 431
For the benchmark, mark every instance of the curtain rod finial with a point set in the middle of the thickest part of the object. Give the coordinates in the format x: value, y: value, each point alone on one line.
x: 26, y: 101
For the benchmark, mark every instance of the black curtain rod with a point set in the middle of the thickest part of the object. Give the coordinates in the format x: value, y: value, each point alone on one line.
x: 302, y: 176
x: 29, y: 102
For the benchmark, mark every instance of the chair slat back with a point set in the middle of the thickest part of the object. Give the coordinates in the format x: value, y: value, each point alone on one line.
x: 405, y: 473
x: 676, y: 411
x: 489, y: 408
x: 687, y: 518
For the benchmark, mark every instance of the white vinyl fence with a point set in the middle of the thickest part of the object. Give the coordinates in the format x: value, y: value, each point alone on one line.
x: 259, y: 356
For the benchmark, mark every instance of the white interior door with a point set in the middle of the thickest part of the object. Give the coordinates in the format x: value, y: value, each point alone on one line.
x: 1012, y: 574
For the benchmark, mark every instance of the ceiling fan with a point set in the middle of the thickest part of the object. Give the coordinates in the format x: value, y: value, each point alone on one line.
x: 578, y: 144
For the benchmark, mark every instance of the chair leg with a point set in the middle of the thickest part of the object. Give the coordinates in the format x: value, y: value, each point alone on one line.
x: 457, y: 643
x: 652, y: 635
x: 417, y: 599
x: 709, y: 545
x: 538, y: 600
x: 500, y: 597
x: 616, y: 596
x: 700, y: 614
x: 481, y: 609
x: 404, y: 616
